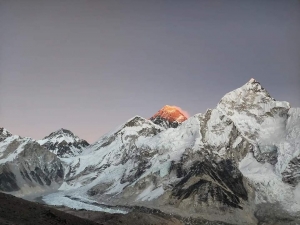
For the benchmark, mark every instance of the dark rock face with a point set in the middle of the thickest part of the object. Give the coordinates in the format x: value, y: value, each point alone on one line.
x: 33, y: 166
x: 64, y: 143
x: 210, y: 181
x: 291, y: 174
x: 4, y: 134
x: 7, y: 179
x: 142, y: 162
x: 164, y: 122
x: 44, y: 164
x: 64, y: 148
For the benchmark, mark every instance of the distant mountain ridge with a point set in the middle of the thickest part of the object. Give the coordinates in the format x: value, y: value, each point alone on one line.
x: 238, y: 163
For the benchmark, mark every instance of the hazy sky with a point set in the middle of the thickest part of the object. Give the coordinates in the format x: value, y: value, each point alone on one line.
x: 89, y: 66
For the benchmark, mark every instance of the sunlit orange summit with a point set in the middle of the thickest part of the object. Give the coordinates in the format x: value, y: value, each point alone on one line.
x: 169, y: 116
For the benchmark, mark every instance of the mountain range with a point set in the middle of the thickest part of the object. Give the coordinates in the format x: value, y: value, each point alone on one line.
x: 238, y: 163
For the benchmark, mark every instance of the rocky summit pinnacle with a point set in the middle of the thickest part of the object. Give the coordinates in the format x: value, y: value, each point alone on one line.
x: 4, y: 133
x: 252, y: 80
x: 61, y: 131
x: 251, y: 97
x: 64, y: 143
x: 169, y: 116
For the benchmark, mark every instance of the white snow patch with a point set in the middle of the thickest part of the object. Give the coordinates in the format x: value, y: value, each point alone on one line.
x: 165, y: 168
x: 59, y: 199
x: 117, y: 188
x: 66, y: 186
x: 268, y: 186
x: 15, y: 153
x: 237, y: 142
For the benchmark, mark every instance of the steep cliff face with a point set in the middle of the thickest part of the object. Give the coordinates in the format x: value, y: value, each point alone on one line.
x: 26, y: 167
x: 64, y: 143
x: 260, y: 119
x: 4, y: 133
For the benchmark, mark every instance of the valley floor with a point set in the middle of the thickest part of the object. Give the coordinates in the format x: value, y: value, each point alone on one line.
x: 17, y: 211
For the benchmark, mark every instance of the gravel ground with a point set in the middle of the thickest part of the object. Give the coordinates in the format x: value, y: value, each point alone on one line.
x: 17, y: 211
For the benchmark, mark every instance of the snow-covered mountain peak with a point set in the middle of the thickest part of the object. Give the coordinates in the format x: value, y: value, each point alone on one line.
x: 61, y: 135
x: 260, y: 118
x: 64, y: 143
x: 252, y: 80
x: 251, y: 97
x: 172, y: 113
x: 4, y: 133
x: 218, y: 165
x: 169, y: 116
x: 252, y: 91
x: 135, y: 121
x: 136, y: 125
x: 255, y: 86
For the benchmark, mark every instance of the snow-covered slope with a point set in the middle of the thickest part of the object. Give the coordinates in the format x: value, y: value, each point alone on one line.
x: 273, y: 128
x: 27, y: 168
x: 260, y: 118
x: 117, y: 151
x: 220, y: 165
x: 64, y: 143
x: 238, y: 163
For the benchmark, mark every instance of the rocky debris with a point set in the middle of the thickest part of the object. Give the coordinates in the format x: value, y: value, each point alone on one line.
x: 19, y: 211
x: 134, y: 217
x: 210, y: 182
x: 274, y: 214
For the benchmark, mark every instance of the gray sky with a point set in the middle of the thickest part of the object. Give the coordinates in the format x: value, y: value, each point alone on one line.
x: 89, y: 66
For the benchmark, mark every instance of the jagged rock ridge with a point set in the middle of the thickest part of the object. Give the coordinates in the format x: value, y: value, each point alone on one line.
x: 4, y: 133
x: 64, y: 143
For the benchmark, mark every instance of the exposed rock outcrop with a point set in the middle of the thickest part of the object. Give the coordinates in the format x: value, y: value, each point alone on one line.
x: 64, y: 143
